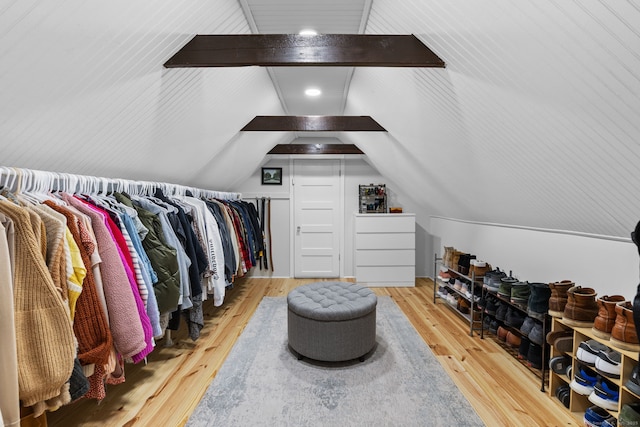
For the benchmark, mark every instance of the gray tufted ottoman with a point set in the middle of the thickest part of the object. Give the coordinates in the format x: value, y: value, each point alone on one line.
x: 332, y: 321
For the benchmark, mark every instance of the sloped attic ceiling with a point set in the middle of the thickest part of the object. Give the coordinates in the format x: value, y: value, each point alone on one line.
x: 533, y: 122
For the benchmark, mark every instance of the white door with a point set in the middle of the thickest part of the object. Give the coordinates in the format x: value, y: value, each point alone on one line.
x: 317, y: 213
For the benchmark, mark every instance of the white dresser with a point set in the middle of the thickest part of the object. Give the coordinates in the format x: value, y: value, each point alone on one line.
x: 385, y: 249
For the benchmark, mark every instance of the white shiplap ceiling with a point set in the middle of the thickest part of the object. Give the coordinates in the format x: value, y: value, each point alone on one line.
x: 533, y: 122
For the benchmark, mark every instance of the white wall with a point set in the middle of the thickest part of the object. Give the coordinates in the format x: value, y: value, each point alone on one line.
x: 609, y: 265
x: 356, y: 171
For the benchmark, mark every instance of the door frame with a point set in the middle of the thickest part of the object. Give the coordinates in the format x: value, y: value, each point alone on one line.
x: 292, y: 258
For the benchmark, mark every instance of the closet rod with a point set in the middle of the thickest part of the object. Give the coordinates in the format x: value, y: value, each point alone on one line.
x: 29, y: 180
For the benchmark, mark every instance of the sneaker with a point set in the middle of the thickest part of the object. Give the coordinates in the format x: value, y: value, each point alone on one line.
x: 594, y: 416
x: 633, y: 383
x: 610, y: 422
x: 629, y: 415
x: 605, y: 395
x: 608, y: 363
x: 559, y: 364
x: 583, y: 382
x: 588, y: 351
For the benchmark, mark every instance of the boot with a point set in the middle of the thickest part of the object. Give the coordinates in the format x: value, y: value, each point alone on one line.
x: 455, y: 259
x: 558, y: 298
x: 606, y: 316
x: 478, y: 268
x: 446, y: 258
x: 539, y: 300
x: 582, y: 308
x: 623, y: 333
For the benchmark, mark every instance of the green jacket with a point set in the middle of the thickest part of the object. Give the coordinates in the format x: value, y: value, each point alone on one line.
x: 163, y: 258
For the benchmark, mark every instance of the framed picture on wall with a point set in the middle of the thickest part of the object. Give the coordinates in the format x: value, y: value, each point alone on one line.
x: 271, y: 176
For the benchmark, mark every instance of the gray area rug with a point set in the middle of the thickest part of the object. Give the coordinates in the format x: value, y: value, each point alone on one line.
x: 400, y: 383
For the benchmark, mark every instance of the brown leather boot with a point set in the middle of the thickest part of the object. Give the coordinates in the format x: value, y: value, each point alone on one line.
x: 558, y: 298
x: 606, y: 315
x: 582, y: 308
x: 623, y: 333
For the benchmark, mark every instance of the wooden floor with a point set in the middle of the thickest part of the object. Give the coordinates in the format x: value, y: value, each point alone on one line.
x: 168, y: 388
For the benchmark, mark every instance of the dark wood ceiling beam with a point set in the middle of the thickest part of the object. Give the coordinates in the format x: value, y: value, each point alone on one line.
x: 272, y: 50
x: 313, y: 124
x: 315, y: 149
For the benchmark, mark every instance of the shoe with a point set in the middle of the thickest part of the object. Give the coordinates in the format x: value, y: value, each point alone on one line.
x: 588, y: 351
x: 623, y: 333
x: 583, y: 382
x: 633, y: 383
x: 505, y: 287
x: 563, y: 393
x: 629, y: 415
x: 446, y: 257
x: 536, y: 335
x: 559, y: 364
x: 569, y: 371
x: 608, y: 363
x: 538, y: 305
x: 606, y: 317
x: 558, y: 298
x: 595, y: 416
x: 561, y: 340
x: 514, y: 318
x: 523, y: 350
x: 464, y: 262
x: 491, y: 306
x: 457, y: 285
x: 513, y: 340
x: 535, y: 356
x: 581, y: 309
x: 610, y: 422
x: 494, y: 327
x: 520, y: 292
x: 502, y: 333
x: 486, y: 323
x: 492, y: 280
x: 605, y: 395
x: 478, y: 268
x: 527, y: 325
x: 501, y: 312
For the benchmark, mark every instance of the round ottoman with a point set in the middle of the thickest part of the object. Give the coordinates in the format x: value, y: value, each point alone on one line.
x: 332, y: 321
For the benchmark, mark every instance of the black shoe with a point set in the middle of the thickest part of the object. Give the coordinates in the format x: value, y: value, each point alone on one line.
x: 514, y: 318
x: 633, y: 383
x: 491, y: 306
x: 501, y: 312
x: 523, y: 351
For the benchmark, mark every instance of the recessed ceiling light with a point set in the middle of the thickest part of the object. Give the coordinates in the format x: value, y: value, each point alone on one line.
x: 312, y: 91
x: 308, y: 32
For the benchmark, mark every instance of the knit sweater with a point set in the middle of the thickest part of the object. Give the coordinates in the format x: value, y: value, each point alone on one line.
x: 90, y: 323
x: 44, y: 337
x: 124, y: 321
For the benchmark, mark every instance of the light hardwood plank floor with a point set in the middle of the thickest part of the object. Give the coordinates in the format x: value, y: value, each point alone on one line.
x: 167, y: 389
